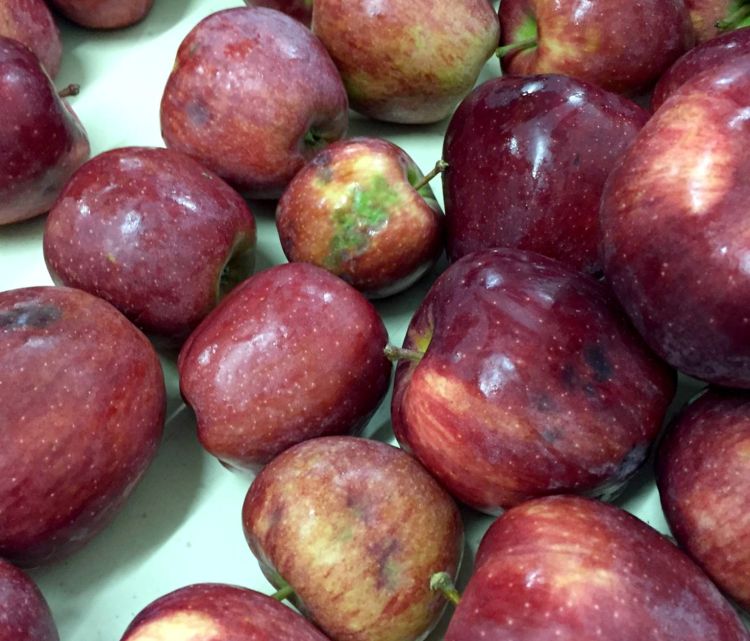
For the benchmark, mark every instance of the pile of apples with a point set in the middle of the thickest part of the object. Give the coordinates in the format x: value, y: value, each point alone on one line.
x: 590, y: 272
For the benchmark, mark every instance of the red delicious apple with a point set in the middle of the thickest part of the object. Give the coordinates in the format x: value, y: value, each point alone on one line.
x: 527, y: 161
x: 674, y: 220
x: 713, y: 17
x: 573, y: 569
x: 292, y: 353
x: 407, y: 61
x: 356, y: 528
x: 526, y: 380
x: 360, y: 210
x: 41, y: 141
x: 104, y: 14
x: 620, y: 46
x: 252, y: 96
x: 24, y: 614
x: 152, y: 232
x: 299, y: 9
x: 218, y: 612
x: 82, y: 406
x: 30, y: 22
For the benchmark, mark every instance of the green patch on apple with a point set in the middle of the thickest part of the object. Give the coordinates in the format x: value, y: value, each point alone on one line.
x: 738, y: 16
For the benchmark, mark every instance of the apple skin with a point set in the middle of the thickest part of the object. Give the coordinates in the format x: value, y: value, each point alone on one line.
x: 706, y: 13
x: 292, y: 353
x: 575, y: 569
x: 217, y: 611
x: 30, y: 22
x: 531, y: 383
x: 620, y: 47
x: 150, y: 231
x: 240, y: 98
x: 353, y: 210
x: 104, y: 14
x: 24, y: 614
x: 82, y: 405
x: 673, y: 220
x: 527, y: 162
x: 407, y: 61
x: 300, y: 10
x: 357, y: 528
x: 42, y: 141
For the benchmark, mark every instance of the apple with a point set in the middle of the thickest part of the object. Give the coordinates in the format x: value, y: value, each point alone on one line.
x: 573, y: 569
x: 292, y: 353
x: 104, y: 14
x: 713, y: 17
x: 298, y: 9
x: 362, y: 210
x: 24, y: 614
x: 621, y: 47
x: 252, y: 96
x: 522, y: 378
x: 527, y: 162
x: 407, y: 61
x: 30, y: 22
x: 153, y: 233
x: 42, y: 141
x: 208, y: 611
x: 82, y: 405
x: 355, y: 528
x: 673, y: 218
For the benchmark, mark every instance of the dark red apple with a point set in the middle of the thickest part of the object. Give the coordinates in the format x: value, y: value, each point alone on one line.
x: 573, y: 569
x: 299, y: 9
x: 356, y: 528
x: 30, y: 22
x: 104, y: 14
x: 525, y: 380
x: 24, y: 614
x: 527, y: 161
x: 82, y: 406
x: 674, y: 218
x: 711, y: 18
x: 153, y: 233
x: 252, y: 96
x: 41, y: 141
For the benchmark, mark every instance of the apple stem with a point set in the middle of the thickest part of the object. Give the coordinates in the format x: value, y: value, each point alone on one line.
x: 733, y: 20
x: 439, y: 168
x: 396, y: 354
x: 521, y: 45
x: 442, y: 582
x: 70, y: 90
x: 284, y: 592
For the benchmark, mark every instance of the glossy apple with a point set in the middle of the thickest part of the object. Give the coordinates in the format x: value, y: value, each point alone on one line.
x: 104, y: 14
x: 527, y: 162
x: 153, y: 233
x: 82, y: 406
x: 41, y: 141
x: 621, y: 47
x: 407, y: 61
x: 357, y: 528
x: 574, y: 569
x: 24, y: 614
x: 30, y: 22
x: 355, y: 211
x: 729, y: 14
x: 252, y: 96
x: 673, y: 216
x: 299, y: 9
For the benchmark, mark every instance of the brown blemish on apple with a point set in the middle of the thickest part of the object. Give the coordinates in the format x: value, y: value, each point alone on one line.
x: 182, y: 626
x: 597, y: 359
x: 33, y: 316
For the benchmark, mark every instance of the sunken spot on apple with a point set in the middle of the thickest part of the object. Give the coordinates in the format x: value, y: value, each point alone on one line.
x: 30, y: 317
x: 597, y: 359
x: 197, y: 112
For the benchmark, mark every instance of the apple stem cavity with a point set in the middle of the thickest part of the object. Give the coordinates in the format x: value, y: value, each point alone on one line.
x: 443, y: 582
x: 396, y: 354
x: 238, y: 267
x: 734, y: 20
x: 439, y: 168
x: 515, y: 47
x: 71, y: 90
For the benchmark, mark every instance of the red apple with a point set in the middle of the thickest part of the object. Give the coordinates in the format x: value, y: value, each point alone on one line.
x: 711, y: 18
x: 152, y: 232
x: 573, y: 569
x: 356, y: 528
x: 104, y: 14
x: 41, y: 141
x: 24, y: 614
x: 527, y: 162
x: 299, y: 9
x: 674, y: 220
x: 30, y: 22
x: 407, y: 61
x: 82, y: 406
x: 252, y: 96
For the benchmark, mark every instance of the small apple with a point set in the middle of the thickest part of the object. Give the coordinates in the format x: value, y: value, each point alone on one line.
x: 356, y: 528
x: 30, y: 22
x: 24, y: 614
x: 298, y: 9
x: 711, y: 18
x: 104, y: 14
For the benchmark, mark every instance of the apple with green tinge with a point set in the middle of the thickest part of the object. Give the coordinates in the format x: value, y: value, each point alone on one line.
x: 299, y: 9
x: 407, y: 61
x: 82, y: 404
x: 104, y: 14
x: 253, y: 95
x: 356, y: 528
x: 711, y: 18
x: 30, y: 22
x: 361, y: 210
x: 153, y: 233
x: 24, y: 614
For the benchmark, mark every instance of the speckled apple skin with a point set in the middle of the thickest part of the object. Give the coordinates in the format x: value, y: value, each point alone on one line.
x: 82, y: 406
x: 41, y: 141
x: 24, y: 614
x: 357, y: 528
x: 623, y: 48
x: 241, y: 99
x: 148, y: 230
x: 407, y: 61
x: 703, y: 475
x: 219, y: 612
x: 353, y: 211
x: 298, y: 9
x: 527, y: 162
x: 531, y: 383
x: 675, y: 234
x: 575, y: 569
x: 104, y: 14
x: 292, y: 353
x: 30, y: 22
x: 704, y: 15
